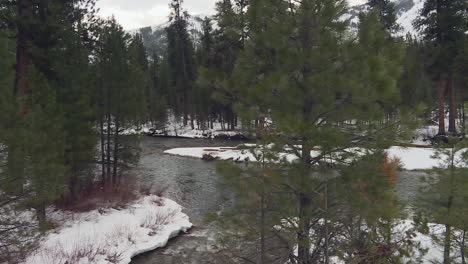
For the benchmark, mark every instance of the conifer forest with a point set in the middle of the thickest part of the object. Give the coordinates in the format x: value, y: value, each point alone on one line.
x: 233, y: 131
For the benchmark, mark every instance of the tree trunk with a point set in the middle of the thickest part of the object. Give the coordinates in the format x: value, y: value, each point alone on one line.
x: 463, y: 117
x: 448, y: 227
x: 25, y: 11
x: 303, y: 239
x: 108, y: 149
x: 447, y: 243
x: 452, y: 106
x: 262, y: 215
x: 41, y: 214
x: 116, y: 149
x: 103, y: 153
x: 327, y: 257
x: 441, y: 105
x: 462, y: 248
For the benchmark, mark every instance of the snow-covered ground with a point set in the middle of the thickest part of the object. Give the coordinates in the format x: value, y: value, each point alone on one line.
x: 111, y: 235
x: 176, y: 128
x: 431, y: 252
x: 411, y: 158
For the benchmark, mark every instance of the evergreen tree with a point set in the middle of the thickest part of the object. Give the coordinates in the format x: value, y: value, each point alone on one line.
x: 52, y: 57
x: 299, y: 70
x: 121, y: 101
x: 443, y: 24
x: 444, y: 201
x: 415, y: 83
x: 180, y: 57
x: 387, y: 14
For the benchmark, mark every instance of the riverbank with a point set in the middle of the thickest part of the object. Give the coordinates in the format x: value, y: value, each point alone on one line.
x: 111, y: 235
x: 412, y: 158
x: 176, y: 129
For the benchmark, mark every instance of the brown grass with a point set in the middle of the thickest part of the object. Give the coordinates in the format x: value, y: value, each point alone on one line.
x: 156, y: 219
x: 118, y: 195
x: 82, y: 249
x: 389, y: 167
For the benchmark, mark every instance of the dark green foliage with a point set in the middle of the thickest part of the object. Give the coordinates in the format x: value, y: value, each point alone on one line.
x: 387, y: 14
x: 181, y: 61
x: 123, y: 83
x: 300, y: 70
x: 53, y: 115
x: 416, y: 86
x: 443, y: 200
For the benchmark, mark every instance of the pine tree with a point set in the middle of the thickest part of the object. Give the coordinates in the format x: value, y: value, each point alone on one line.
x: 180, y: 57
x: 52, y: 57
x: 387, y: 14
x: 203, y: 91
x: 443, y: 200
x: 415, y: 83
x: 300, y: 70
x: 121, y: 102
x: 443, y: 23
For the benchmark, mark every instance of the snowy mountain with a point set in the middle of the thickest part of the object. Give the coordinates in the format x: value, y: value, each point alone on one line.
x: 154, y: 37
x: 407, y: 11
x: 155, y: 40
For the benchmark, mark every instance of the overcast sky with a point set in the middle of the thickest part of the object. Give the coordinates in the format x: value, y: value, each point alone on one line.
x: 132, y: 14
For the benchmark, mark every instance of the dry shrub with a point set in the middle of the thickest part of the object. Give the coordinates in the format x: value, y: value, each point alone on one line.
x: 151, y: 189
x: 389, y: 167
x: 157, y: 200
x: 156, y: 219
x: 117, y: 195
x: 82, y: 249
x: 122, y: 231
x: 114, y: 257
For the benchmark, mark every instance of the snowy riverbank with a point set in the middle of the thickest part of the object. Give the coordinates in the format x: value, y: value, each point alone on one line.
x: 111, y: 235
x: 176, y: 128
x: 411, y: 158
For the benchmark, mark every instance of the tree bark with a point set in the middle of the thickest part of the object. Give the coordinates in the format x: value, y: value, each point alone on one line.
x: 103, y: 153
x: 447, y: 243
x: 116, y: 150
x: 303, y: 239
x: 441, y: 105
x: 452, y: 106
x: 462, y: 248
x: 108, y: 150
x: 25, y: 11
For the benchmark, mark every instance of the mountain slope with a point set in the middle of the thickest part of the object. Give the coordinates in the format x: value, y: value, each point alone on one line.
x: 155, y: 40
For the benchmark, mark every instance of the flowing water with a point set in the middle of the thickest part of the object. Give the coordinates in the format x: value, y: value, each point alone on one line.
x: 194, y: 184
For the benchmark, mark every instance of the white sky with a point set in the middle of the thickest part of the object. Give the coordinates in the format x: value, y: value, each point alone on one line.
x: 132, y: 14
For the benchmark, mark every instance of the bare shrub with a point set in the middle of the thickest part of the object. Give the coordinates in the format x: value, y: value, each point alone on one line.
x: 114, y: 257
x: 157, y: 200
x: 146, y: 189
x: 81, y: 249
x: 122, y: 231
x: 19, y: 232
x: 117, y: 195
x: 156, y: 219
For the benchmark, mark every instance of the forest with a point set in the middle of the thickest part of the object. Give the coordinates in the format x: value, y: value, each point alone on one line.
x: 317, y: 105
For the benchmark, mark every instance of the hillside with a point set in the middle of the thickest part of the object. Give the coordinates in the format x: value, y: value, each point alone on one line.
x: 155, y: 39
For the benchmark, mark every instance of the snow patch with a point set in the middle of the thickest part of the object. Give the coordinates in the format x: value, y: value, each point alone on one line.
x: 411, y: 158
x: 114, y: 235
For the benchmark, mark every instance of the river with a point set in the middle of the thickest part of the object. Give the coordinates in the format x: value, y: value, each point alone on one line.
x: 193, y: 183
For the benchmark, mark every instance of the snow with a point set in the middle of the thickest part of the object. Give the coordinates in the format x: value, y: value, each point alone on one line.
x: 434, y: 251
x: 112, y: 235
x: 412, y: 158
x: 406, y: 19
x: 176, y: 128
